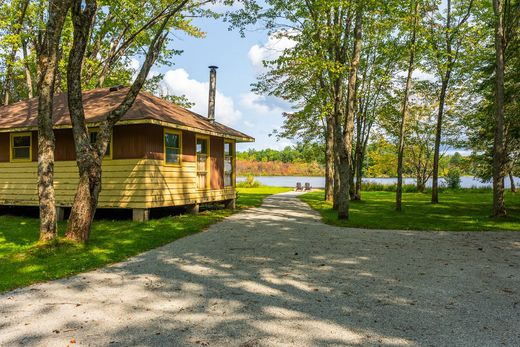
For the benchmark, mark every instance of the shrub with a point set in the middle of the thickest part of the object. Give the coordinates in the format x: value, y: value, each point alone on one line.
x: 250, y: 182
x: 452, y: 178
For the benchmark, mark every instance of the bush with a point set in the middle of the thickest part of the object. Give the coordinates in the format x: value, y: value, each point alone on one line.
x: 250, y: 182
x: 452, y: 178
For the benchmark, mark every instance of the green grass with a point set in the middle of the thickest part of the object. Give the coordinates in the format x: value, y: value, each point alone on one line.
x: 24, y: 261
x: 462, y: 210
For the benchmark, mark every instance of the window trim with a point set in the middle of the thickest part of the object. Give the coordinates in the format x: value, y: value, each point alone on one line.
x: 11, y: 147
x: 233, y: 163
x: 208, y: 160
x: 173, y: 132
x: 111, y: 143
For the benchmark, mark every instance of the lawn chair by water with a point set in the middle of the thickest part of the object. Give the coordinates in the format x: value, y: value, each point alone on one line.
x: 307, y: 186
x: 298, y: 187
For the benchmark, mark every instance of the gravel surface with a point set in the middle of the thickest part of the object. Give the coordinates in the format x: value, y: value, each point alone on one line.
x: 277, y: 276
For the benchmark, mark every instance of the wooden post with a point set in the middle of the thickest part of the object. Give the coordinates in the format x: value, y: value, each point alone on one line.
x: 230, y: 204
x: 140, y: 214
x: 60, y: 213
x: 193, y: 209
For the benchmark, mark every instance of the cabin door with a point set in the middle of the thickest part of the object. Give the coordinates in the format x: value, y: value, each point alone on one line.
x: 202, y: 163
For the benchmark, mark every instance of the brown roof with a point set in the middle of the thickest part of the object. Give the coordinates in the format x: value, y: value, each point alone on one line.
x: 98, y: 102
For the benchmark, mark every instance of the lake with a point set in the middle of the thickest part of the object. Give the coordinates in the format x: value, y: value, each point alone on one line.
x: 319, y: 182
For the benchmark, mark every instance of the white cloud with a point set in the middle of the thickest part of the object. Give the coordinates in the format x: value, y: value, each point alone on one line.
x: 134, y: 64
x: 220, y: 6
x: 178, y: 82
x: 271, y: 50
x: 255, y: 103
x: 263, y: 115
x: 418, y: 74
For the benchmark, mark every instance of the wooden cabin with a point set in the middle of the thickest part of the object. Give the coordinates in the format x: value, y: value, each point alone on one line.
x: 160, y: 155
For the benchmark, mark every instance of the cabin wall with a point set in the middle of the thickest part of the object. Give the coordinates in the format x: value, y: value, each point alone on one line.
x: 138, y: 141
x: 4, y: 147
x: 127, y: 183
x: 136, y: 177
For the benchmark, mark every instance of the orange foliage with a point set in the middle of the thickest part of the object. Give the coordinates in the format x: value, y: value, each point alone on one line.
x: 278, y: 168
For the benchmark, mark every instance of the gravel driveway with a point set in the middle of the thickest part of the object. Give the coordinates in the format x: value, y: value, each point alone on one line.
x: 277, y: 276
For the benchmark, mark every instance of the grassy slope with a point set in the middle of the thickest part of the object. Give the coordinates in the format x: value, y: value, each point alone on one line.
x: 458, y: 211
x: 23, y: 261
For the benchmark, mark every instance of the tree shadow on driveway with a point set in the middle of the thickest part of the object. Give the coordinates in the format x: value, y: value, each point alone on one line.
x: 277, y: 276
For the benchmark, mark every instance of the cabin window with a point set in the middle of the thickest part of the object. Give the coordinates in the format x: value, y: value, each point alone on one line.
x: 93, y: 133
x: 21, y: 147
x: 172, y: 147
x: 228, y: 164
x: 202, y: 163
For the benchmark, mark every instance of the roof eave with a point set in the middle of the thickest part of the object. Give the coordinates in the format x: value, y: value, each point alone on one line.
x: 142, y: 121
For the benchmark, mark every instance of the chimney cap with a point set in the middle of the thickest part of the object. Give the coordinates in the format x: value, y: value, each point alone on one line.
x: 213, y: 67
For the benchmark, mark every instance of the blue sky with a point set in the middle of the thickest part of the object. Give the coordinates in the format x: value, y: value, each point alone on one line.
x: 239, y: 61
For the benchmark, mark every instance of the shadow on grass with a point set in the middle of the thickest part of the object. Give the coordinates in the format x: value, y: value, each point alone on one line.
x: 23, y: 260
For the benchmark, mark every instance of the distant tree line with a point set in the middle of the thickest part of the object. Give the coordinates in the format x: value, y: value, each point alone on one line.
x: 380, y: 161
x: 300, y: 153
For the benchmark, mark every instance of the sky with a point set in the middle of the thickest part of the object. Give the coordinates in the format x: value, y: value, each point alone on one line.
x: 239, y: 61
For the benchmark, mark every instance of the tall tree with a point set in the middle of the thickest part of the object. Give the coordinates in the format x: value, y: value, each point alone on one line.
x: 412, y: 48
x: 348, y: 128
x: 447, y: 38
x: 48, y: 58
x: 499, y: 153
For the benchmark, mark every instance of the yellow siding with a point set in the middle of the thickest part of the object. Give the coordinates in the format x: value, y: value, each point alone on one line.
x: 128, y: 183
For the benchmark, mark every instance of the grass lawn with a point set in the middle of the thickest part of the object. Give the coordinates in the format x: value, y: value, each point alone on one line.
x: 24, y: 261
x: 463, y: 210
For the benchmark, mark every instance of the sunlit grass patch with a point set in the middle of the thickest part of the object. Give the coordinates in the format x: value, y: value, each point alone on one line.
x: 461, y: 210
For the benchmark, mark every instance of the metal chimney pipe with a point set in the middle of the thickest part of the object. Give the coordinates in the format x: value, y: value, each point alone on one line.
x: 212, y: 92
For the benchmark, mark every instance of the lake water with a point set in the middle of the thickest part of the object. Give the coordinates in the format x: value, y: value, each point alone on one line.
x: 319, y: 182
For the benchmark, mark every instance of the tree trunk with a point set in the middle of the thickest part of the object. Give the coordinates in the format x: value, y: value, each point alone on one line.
x: 359, y: 173
x: 85, y: 200
x: 346, y: 141
x: 352, y: 184
x: 438, y: 135
x: 329, y: 160
x: 499, y: 208
x: 343, y: 175
x: 404, y: 110
x: 47, y: 65
x: 337, y: 179
x: 512, y: 181
x: 421, y: 184
x: 28, y: 75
